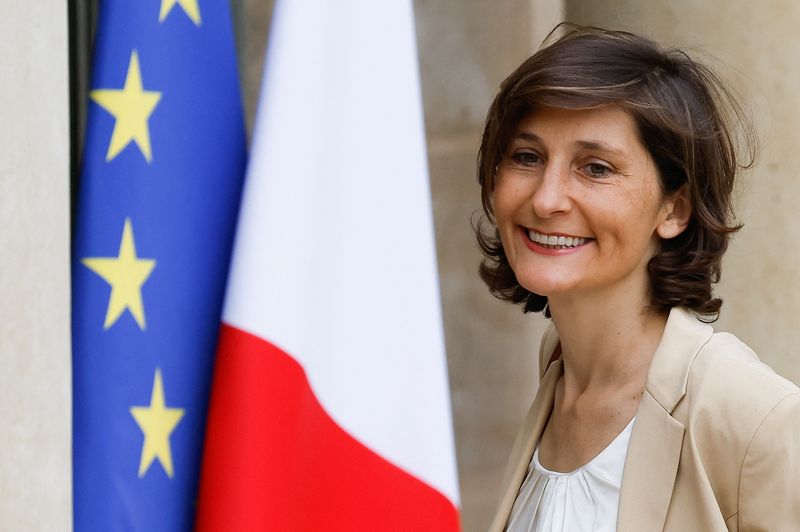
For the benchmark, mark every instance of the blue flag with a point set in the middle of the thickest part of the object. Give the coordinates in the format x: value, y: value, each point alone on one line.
x: 160, y: 185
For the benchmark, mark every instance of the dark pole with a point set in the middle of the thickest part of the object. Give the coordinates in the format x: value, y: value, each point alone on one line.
x: 82, y: 22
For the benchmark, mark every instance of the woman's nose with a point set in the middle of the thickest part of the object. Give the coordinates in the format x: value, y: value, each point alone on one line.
x: 552, y: 196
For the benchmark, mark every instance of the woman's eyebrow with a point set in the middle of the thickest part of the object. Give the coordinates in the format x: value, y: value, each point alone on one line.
x: 583, y: 144
x: 526, y: 135
x: 598, y: 145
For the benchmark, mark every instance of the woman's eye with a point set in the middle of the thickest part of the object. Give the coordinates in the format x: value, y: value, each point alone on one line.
x: 526, y: 158
x: 597, y: 170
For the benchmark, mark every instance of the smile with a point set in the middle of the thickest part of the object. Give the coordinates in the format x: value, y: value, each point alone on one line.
x: 556, y: 241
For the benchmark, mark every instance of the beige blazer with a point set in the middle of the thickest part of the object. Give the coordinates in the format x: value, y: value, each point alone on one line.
x: 715, y: 445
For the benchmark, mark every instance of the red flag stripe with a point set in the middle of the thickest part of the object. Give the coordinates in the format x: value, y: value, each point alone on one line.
x: 295, y: 469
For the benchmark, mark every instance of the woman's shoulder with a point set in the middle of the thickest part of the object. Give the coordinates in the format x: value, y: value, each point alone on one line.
x: 743, y: 420
x: 731, y: 396
x: 728, y: 371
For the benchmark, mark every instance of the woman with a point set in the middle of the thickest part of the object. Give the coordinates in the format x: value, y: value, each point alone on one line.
x: 606, y: 166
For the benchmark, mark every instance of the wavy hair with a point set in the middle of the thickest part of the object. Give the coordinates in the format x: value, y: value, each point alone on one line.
x: 689, y: 121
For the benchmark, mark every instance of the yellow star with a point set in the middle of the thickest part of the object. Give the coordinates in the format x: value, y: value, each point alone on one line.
x: 131, y: 107
x: 126, y: 274
x: 157, y: 423
x: 189, y: 7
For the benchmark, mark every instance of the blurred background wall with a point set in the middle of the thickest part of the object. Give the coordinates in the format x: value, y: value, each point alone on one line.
x: 466, y: 48
x: 35, y: 408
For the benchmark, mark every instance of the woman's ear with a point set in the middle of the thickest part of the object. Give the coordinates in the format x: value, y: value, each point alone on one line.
x: 678, y: 213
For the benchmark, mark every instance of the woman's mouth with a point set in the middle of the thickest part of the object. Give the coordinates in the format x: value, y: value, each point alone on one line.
x: 554, y: 242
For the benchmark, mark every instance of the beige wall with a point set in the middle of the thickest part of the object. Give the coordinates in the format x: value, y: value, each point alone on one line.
x: 35, y: 408
x: 758, y: 49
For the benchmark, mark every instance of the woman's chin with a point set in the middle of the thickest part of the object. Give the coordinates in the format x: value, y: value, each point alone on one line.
x: 546, y: 288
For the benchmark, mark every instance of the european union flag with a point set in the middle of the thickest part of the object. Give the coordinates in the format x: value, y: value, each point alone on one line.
x: 162, y: 171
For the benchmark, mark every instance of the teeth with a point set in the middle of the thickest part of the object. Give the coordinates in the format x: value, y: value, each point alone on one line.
x: 553, y: 240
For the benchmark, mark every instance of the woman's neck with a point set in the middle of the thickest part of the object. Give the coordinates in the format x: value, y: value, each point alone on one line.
x: 607, y: 342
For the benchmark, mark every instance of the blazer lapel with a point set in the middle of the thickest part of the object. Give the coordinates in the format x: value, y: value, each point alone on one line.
x: 650, y: 467
x: 522, y: 452
x: 655, y: 446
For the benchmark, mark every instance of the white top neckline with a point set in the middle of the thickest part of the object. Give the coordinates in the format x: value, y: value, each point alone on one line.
x: 624, y: 434
x: 583, y: 500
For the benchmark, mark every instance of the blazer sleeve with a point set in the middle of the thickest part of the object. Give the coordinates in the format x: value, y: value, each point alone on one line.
x: 769, y: 485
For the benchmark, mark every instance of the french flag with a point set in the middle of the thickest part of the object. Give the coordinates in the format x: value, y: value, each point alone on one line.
x: 330, y: 407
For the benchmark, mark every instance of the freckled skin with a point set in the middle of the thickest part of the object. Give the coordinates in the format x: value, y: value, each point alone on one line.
x: 583, y: 173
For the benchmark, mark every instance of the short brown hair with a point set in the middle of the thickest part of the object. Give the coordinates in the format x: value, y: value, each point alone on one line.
x: 685, y: 117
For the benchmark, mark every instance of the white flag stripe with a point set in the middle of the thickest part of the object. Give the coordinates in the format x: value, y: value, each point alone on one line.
x: 335, y: 259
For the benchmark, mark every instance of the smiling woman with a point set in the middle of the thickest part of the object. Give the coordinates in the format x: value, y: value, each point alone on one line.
x: 582, y: 175
x: 682, y: 116
x: 607, y: 166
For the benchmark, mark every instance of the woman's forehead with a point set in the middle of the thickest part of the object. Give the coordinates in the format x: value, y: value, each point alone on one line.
x: 611, y: 128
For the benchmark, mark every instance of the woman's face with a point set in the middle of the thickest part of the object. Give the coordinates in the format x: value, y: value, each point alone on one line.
x: 578, y: 203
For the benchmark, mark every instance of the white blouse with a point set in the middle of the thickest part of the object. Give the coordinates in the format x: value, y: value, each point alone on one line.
x: 583, y: 500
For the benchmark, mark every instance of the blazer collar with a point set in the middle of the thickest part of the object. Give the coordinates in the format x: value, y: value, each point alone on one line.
x: 684, y: 336
x: 656, y: 440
